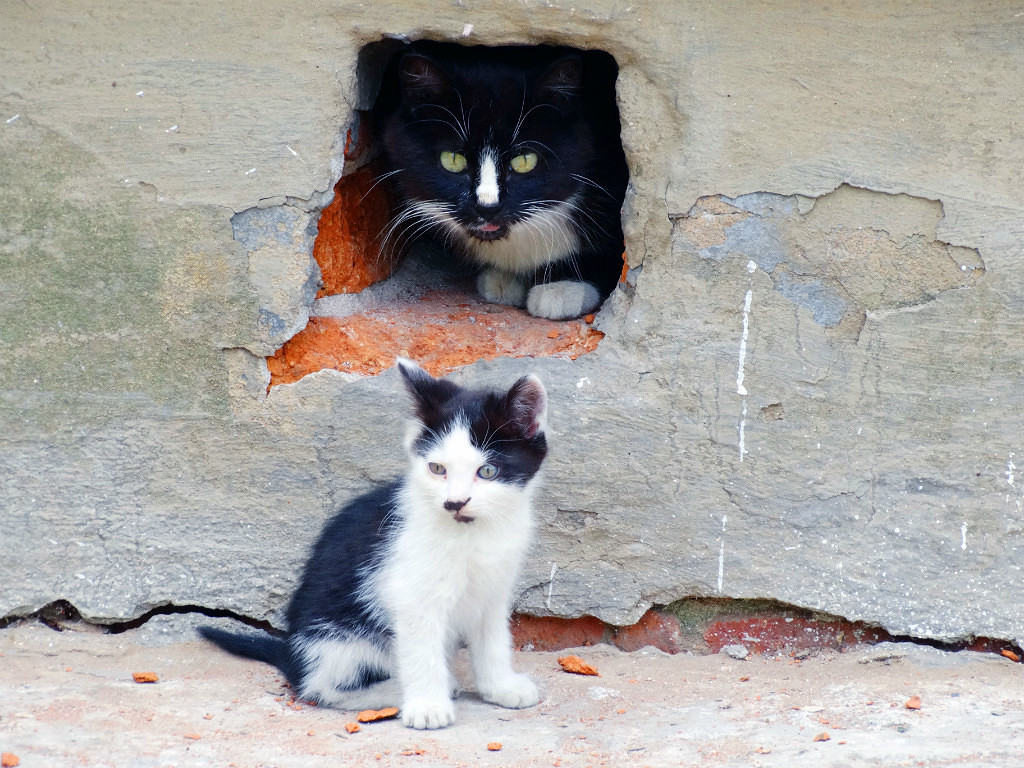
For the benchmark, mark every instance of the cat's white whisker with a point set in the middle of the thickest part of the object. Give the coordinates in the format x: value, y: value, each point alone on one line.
x: 378, y: 180
x: 544, y: 149
x: 593, y: 184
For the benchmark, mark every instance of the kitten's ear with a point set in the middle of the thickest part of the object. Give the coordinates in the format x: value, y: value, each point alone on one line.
x: 562, y: 80
x: 428, y: 393
x: 421, y: 78
x: 527, y: 405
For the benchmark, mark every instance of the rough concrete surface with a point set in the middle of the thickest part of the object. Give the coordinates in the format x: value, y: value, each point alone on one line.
x: 69, y: 699
x: 809, y: 389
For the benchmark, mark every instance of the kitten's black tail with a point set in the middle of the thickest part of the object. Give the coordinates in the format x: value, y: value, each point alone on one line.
x: 262, y: 647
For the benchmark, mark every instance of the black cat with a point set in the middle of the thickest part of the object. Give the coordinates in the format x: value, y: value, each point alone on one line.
x: 510, y: 155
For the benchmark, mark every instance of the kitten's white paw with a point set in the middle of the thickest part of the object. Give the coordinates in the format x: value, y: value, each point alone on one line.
x: 512, y: 692
x: 423, y: 714
x: 562, y: 299
x: 500, y: 287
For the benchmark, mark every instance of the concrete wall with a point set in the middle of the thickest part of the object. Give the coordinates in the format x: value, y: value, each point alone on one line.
x: 811, y: 389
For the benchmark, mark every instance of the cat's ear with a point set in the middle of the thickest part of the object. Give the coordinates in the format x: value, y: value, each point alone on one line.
x: 428, y: 393
x: 421, y: 78
x: 561, y: 82
x: 527, y: 405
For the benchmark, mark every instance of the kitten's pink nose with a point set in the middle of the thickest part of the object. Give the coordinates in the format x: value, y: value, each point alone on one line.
x: 455, y: 506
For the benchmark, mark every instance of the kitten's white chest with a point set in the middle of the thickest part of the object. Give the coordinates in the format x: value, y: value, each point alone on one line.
x: 454, y: 570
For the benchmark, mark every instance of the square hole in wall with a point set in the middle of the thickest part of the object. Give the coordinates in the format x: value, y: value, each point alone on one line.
x: 478, y: 215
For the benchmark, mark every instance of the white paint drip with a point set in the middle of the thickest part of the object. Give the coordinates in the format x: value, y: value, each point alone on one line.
x: 721, y: 556
x: 740, y: 372
x: 963, y: 536
x: 467, y: 30
x: 551, y: 584
x: 740, y: 389
x: 12, y: 119
x: 1010, y: 467
x: 743, y: 429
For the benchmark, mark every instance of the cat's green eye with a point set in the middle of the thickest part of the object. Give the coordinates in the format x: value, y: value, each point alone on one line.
x: 453, y: 162
x: 524, y: 163
x: 487, y: 472
x: 436, y: 469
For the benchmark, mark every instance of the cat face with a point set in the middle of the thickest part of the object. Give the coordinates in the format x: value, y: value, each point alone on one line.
x: 491, y: 152
x: 474, y: 454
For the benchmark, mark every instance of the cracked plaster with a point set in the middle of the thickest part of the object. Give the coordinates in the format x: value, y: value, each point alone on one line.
x: 862, y: 159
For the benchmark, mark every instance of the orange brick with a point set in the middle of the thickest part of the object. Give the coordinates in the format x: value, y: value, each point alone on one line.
x: 548, y: 633
x: 348, y: 238
x: 654, y: 628
x: 368, y: 343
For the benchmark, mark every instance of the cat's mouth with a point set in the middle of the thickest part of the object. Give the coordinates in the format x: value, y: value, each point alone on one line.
x: 489, y: 231
x: 463, y: 518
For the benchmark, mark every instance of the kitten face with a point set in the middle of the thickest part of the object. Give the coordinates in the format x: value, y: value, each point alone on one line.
x: 491, y: 155
x: 474, y: 454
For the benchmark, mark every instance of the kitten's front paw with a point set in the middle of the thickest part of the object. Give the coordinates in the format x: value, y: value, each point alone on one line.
x: 423, y: 714
x: 500, y: 287
x: 514, y: 692
x: 562, y: 300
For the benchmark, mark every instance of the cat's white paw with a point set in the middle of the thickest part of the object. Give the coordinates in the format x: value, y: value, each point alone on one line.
x: 423, y: 714
x: 499, y: 287
x: 562, y: 300
x: 512, y: 692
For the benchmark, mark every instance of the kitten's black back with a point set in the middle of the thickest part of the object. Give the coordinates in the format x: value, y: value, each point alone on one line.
x: 327, y: 600
x: 349, y: 546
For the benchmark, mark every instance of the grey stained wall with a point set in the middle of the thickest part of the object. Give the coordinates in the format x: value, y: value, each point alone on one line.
x: 811, y: 389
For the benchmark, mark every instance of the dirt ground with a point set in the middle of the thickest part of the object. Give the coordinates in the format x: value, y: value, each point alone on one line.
x: 69, y: 699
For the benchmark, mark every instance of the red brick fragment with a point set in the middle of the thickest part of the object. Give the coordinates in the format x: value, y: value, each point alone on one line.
x: 368, y: 343
x: 777, y: 633
x: 347, y: 246
x: 548, y: 633
x: 654, y: 628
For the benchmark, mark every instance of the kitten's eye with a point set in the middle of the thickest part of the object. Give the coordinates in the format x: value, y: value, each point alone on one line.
x: 487, y: 472
x: 524, y: 163
x: 436, y: 469
x: 453, y: 162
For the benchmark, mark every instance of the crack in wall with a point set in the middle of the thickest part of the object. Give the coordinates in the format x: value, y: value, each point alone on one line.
x: 61, y: 614
x: 703, y: 623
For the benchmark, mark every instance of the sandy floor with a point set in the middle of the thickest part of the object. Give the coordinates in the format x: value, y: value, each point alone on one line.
x: 68, y: 699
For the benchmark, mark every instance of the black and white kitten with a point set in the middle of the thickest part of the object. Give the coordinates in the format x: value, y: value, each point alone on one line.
x: 405, y: 574
x: 510, y: 155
